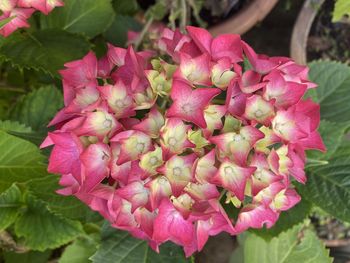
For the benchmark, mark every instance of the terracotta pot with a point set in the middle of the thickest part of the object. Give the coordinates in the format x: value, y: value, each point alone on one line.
x: 302, y: 29
x: 246, y: 18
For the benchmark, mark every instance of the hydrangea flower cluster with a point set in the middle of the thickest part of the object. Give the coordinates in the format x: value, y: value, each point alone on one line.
x: 159, y: 146
x: 18, y: 12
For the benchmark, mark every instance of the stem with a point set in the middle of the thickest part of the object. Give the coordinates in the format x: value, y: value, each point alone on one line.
x: 183, y: 21
x: 143, y: 33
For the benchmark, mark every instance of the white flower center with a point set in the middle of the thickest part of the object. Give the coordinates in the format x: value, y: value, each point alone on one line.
x: 238, y: 138
x: 140, y: 147
x: 119, y: 103
x: 229, y: 171
x: 153, y: 160
x: 177, y: 171
x: 187, y: 108
x: 172, y: 141
x: 162, y: 180
x: 258, y: 113
x: 107, y: 123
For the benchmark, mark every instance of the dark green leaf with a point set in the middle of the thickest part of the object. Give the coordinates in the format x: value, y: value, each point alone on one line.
x: 45, y: 50
x: 332, y: 134
x: 90, y: 17
x: 126, y: 7
x: 287, y: 220
x: 43, y: 229
x: 10, y: 201
x: 30, y: 257
x: 37, y: 108
x: 119, y: 247
x: 332, y: 93
x: 328, y: 186
x: 68, y: 206
x: 117, y: 32
x: 20, y: 161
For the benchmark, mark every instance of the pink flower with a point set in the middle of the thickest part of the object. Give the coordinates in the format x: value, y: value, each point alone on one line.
x: 189, y: 104
x: 18, y: 18
x: 220, y: 47
x: 18, y: 11
x: 44, y: 6
x: 157, y: 149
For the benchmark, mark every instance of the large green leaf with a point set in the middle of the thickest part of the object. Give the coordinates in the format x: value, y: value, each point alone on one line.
x: 332, y: 134
x: 68, y: 206
x: 341, y: 8
x: 38, y: 107
x: 332, y: 93
x: 10, y: 201
x: 14, y: 126
x: 43, y: 229
x: 287, y: 220
x: 79, y: 252
x: 328, y: 186
x: 90, y: 17
x: 45, y: 50
x: 294, y: 246
x: 119, y: 247
x: 22, y: 131
x: 20, y: 161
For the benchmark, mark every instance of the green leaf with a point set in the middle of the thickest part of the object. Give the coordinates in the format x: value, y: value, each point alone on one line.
x: 13, y: 126
x: 294, y: 246
x: 328, y: 186
x: 10, y: 201
x: 30, y: 257
x: 332, y: 93
x: 43, y: 229
x: 20, y: 130
x: 158, y: 11
x: 67, y: 206
x: 90, y: 17
x: 126, y: 7
x: 20, y: 161
x: 287, y: 220
x: 117, y: 32
x: 45, y: 50
x: 341, y: 8
x: 5, y: 21
x: 119, y: 247
x: 37, y: 108
x: 79, y: 252
x: 332, y: 134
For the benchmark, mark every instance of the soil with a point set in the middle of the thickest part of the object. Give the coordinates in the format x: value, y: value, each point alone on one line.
x: 329, y: 40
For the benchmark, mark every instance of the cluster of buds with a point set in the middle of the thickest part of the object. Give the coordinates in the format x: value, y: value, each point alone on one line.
x: 163, y: 147
x: 15, y: 13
